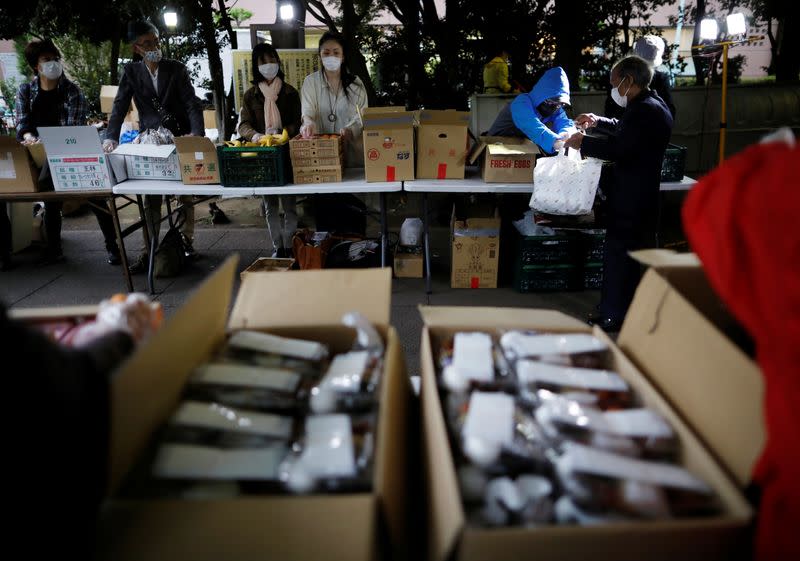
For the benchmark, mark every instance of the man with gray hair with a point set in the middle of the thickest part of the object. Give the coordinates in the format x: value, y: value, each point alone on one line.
x: 635, y: 144
x: 164, y: 96
x: 651, y: 49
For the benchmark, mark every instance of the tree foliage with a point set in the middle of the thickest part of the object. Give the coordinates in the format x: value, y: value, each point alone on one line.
x: 431, y: 59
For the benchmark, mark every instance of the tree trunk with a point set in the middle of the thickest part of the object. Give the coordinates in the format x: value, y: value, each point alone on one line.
x: 230, y: 118
x: 567, y: 15
x: 787, y: 65
x: 413, y: 40
x: 699, y: 62
x: 113, y: 63
x: 357, y: 63
x: 209, y: 33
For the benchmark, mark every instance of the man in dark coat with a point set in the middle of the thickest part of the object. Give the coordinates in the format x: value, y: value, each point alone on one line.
x: 164, y: 97
x: 636, y: 145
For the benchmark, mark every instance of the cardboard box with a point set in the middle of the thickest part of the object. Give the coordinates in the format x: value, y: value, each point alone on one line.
x: 707, y: 389
x: 149, y: 161
x: 198, y: 160
x: 388, y: 144
x: 17, y: 171
x: 442, y: 144
x: 38, y: 154
x: 267, y: 265
x: 408, y: 265
x: 475, y: 251
x: 76, y: 160
x: 22, y: 224
x: 318, y: 147
x: 147, y: 388
x: 107, y: 96
x: 712, y: 383
x: 315, y: 162
x: 209, y: 118
x: 322, y: 174
x: 506, y: 159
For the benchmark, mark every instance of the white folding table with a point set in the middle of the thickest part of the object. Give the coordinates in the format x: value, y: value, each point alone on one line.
x: 353, y: 182
x: 474, y: 183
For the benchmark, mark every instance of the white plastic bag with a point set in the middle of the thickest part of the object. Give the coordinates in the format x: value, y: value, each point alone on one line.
x: 411, y: 232
x: 565, y: 184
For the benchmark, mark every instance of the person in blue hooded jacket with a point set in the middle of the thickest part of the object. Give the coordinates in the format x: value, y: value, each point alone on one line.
x: 539, y: 115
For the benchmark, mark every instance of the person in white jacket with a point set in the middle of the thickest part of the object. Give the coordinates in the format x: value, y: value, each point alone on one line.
x: 333, y: 99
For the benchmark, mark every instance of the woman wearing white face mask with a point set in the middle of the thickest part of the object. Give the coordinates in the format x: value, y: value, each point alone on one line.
x: 270, y: 106
x: 52, y: 100
x: 334, y: 99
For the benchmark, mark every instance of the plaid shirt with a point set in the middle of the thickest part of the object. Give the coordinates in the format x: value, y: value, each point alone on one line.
x: 73, y: 110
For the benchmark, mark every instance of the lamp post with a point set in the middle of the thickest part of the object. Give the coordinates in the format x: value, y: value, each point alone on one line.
x: 736, y: 35
x: 171, y: 22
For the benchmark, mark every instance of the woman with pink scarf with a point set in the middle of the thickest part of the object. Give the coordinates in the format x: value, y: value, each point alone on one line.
x: 270, y: 106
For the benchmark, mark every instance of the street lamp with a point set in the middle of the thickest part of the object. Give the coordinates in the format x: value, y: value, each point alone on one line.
x: 286, y: 11
x: 171, y: 19
x: 709, y: 31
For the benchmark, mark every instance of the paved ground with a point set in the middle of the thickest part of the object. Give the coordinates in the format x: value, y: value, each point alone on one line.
x: 85, y: 278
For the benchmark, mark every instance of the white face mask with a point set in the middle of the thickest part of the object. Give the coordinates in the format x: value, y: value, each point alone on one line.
x: 270, y: 70
x: 620, y: 98
x: 152, y: 56
x: 51, y: 69
x: 331, y: 63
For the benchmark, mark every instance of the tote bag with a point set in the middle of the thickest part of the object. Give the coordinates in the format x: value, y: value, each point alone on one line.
x: 565, y: 184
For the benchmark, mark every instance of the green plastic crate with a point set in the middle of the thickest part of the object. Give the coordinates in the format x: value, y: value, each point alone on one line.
x: 254, y: 166
x: 674, y: 164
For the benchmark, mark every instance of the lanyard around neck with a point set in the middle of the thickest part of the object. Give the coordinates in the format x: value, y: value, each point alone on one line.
x: 332, y: 102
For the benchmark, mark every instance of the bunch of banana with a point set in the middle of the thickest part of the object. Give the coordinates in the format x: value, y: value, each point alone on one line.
x: 265, y: 140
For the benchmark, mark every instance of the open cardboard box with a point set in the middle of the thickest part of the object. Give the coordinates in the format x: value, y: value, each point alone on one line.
x: 722, y: 537
x: 506, y: 159
x: 679, y: 332
x: 149, y: 161
x: 148, y: 387
x: 198, y: 160
x: 442, y: 144
x: 474, y: 250
x: 17, y: 171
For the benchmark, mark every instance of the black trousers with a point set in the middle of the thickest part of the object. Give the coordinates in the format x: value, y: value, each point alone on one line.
x: 621, y: 274
x: 5, y: 232
x: 52, y: 223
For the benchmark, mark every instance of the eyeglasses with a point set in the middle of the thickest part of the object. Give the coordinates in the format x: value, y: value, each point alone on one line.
x: 147, y: 45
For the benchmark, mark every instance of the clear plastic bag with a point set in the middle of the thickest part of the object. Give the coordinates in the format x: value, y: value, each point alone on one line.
x: 567, y: 349
x: 335, y: 455
x: 526, y: 501
x: 220, y: 426
x: 496, y: 435
x: 250, y: 387
x: 601, y: 481
x: 157, y: 136
x: 471, y: 360
x: 606, y: 388
x: 632, y: 432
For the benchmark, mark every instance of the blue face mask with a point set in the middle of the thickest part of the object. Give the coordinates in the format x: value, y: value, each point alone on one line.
x: 152, y: 56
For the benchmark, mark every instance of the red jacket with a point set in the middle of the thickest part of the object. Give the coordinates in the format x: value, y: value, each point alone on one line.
x: 742, y: 221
